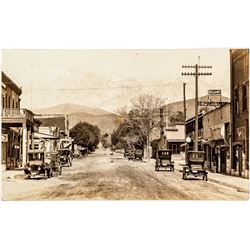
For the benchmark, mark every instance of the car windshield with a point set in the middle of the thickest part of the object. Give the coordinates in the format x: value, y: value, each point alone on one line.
x: 36, y: 156
x: 164, y: 153
x: 196, y: 156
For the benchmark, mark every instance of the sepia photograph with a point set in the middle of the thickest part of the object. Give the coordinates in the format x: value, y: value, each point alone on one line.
x: 124, y: 124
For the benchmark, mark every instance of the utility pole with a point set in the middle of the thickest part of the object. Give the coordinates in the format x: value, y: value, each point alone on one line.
x: 196, y: 74
x: 185, y: 117
x: 162, y: 125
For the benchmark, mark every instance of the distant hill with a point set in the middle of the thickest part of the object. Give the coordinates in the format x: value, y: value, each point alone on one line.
x: 190, y: 104
x: 69, y: 108
x: 107, y: 123
x: 105, y: 120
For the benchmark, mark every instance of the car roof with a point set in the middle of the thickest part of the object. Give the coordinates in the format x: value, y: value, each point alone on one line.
x: 33, y: 151
x: 202, y: 152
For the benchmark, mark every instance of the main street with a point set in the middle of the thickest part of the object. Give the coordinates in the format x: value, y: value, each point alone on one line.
x: 104, y: 176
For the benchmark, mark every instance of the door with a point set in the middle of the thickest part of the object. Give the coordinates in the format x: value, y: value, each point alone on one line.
x: 240, y: 159
x: 223, y: 159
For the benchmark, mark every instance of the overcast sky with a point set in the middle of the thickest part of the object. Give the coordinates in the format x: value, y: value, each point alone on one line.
x: 109, y: 79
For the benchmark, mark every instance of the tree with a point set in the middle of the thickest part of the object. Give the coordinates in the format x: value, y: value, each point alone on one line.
x: 146, y: 114
x: 86, y: 135
x: 105, y: 140
x: 139, y: 122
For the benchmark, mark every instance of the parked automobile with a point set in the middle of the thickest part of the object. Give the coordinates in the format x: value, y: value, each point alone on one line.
x: 164, y: 159
x: 131, y: 155
x: 195, y: 165
x: 138, y: 154
x: 77, y: 155
x: 52, y: 158
x: 36, y: 165
x: 84, y: 152
x: 65, y: 157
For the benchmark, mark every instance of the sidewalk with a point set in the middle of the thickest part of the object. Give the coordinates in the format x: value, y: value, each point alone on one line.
x: 238, y: 183
x: 11, y: 175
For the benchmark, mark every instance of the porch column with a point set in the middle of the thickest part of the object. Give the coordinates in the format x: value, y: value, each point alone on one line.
x: 32, y: 140
x: 24, y: 145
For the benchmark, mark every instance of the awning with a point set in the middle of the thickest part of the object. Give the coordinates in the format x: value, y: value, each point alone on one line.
x: 240, y: 143
x: 44, y: 136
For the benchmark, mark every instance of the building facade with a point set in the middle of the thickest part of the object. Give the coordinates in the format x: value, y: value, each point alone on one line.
x: 239, y: 59
x: 217, y: 139
x: 190, y: 132
x: 17, y: 126
x: 54, y: 124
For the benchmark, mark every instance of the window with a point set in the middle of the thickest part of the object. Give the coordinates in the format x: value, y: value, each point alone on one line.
x: 236, y: 101
x: 244, y: 98
x: 3, y: 101
x: 175, y: 148
x: 13, y: 103
x: 9, y: 102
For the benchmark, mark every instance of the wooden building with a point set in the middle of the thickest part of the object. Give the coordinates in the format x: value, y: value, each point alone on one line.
x: 17, y: 126
x: 190, y: 131
x: 217, y: 143
x: 240, y: 111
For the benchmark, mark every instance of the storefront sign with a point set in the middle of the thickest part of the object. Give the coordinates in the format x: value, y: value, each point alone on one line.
x: 4, y: 137
x: 211, y: 103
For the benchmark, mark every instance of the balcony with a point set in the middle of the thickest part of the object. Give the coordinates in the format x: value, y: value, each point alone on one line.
x: 16, y: 117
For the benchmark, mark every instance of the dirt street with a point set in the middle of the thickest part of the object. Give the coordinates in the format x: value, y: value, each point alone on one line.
x: 112, y: 177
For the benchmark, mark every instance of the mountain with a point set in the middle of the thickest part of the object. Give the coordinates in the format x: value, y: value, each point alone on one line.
x: 190, y: 105
x: 107, y: 123
x: 105, y: 120
x: 69, y: 108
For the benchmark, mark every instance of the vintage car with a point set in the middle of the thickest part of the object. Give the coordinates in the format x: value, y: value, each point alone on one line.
x: 138, y: 154
x: 195, y: 165
x: 163, y: 160
x: 52, y: 158
x: 126, y: 152
x: 130, y: 155
x: 84, y: 152
x: 65, y: 157
x: 36, y: 165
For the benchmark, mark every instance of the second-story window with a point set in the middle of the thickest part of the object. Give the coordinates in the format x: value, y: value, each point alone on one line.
x: 244, y: 98
x: 2, y: 101
x: 236, y: 101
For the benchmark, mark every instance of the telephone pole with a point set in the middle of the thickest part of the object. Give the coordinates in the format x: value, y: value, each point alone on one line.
x: 196, y: 74
x: 185, y: 117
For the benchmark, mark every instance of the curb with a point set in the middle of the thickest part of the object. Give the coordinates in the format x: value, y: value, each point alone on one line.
x: 228, y: 185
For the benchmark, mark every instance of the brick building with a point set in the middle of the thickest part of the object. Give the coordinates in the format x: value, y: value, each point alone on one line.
x: 240, y: 111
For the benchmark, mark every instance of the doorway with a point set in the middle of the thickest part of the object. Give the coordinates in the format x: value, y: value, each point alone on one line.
x: 223, y: 159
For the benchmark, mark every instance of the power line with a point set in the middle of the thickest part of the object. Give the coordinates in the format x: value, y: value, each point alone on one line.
x: 97, y: 88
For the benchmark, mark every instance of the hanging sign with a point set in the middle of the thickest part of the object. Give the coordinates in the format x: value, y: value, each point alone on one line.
x: 4, y: 137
